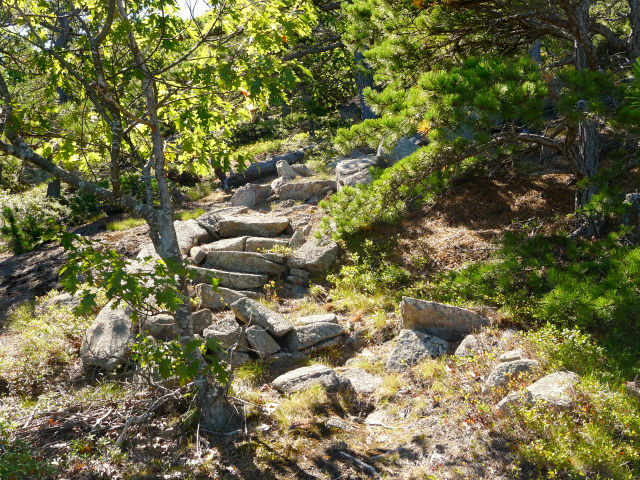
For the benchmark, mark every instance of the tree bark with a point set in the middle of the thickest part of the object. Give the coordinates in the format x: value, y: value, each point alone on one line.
x: 634, y: 21
x: 364, y: 79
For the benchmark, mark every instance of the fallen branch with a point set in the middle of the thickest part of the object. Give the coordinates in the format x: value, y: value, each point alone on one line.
x: 365, y: 466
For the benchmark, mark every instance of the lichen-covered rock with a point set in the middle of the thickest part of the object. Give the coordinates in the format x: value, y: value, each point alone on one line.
x: 285, y: 171
x: 554, y: 390
x: 315, y: 256
x: 190, y: 234
x: 251, y: 195
x: 355, y: 171
x: 225, y: 331
x: 311, y: 334
x: 361, y: 381
x: 247, y: 262
x: 503, y: 372
x: 305, y: 377
x: 445, y: 321
x: 304, y: 190
x: 161, y: 327
x: 253, y: 313
x: 469, y: 346
x: 302, y: 169
x: 411, y: 347
x: 321, y: 318
x: 297, y: 240
x: 233, y: 280
x: 259, y: 244
x: 219, y: 299
x: 261, y: 342
x: 201, y: 319
x: 107, y: 342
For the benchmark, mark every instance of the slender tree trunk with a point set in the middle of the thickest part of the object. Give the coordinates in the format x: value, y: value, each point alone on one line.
x: 364, y: 79
x: 634, y: 21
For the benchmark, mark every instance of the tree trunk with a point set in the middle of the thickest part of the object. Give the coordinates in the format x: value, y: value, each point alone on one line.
x: 53, y: 188
x: 364, y: 79
x: 634, y: 21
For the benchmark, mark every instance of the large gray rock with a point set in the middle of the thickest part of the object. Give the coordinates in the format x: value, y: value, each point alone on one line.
x: 503, y: 372
x: 254, y: 226
x: 225, y: 331
x: 190, y: 234
x: 407, y: 146
x: 253, y: 313
x: 411, y: 347
x: 306, y: 336
x: 199, y: 254
x: 305, y: 377
x: 219, y: 299
x: 251, y: 195
x: 305, y: 190
x: 361, y: 381
x: 209, y: 221
x: 285, y: 171
x: 107, y: 342
x: 446, y: 321
x: 261, y: 342
x: 355, y: 171
x: 247, y: 262
x: 316, y: 255
x: 259, y: 244
x: 233, y: 280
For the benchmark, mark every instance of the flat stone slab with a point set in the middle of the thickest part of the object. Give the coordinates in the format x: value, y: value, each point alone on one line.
x: 254, y: 226
x: 445, y: 321
x: 247, y: 262
x: 411, y: 347
x: 190, y: 233
x: 233, y: 280
x: 503, y: 372
x: 225, y: 331
x: 315, y: 256
x: 209, y: 221
x: 199, y: 254
x: 261, y: 244
x: 261, y: 342
x: 107, y: 342
x: 219, y: 299
x: 322, y: 318
x: 305, y: 190
x: 361, y: 381
x: 305, y: 377
x: 306, y: 336
x: 253, y: 313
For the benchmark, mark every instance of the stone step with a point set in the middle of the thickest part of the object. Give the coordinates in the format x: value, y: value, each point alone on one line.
x: 233, y: 280
x: 254, y: 225
x: 247, y: 262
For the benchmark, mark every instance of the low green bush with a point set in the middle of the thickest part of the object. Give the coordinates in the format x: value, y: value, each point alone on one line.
x: 17, y: 460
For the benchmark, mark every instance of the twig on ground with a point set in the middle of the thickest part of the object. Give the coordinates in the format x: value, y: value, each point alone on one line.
x: 365, y: 466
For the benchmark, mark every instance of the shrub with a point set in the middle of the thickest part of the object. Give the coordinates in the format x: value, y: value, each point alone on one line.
x: 17, y: 461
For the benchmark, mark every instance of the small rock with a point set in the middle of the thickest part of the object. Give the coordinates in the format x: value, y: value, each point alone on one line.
x: 356, y: 341
x: 107, y: 342
x: 64, y: 299
x: 261, y: 342
x: 325, y: 344
x: 446, y: 321
x: 305, y: 190
x: 378, y: 418
x: 511, y: 355
x: 361, y: 381
x: 218, y: 299
x: 469, y: 346
x: 336, y: 423
x: 277, y: 183
x: 161, y: 327
x: 412, y: 346
x: 555, y: 389
x: 297, y: 240
x: 316, y: 255
x: 201, y: 319
x: 407, y: 146
x: 306, y: 336
x: 251, y: 195
x: 633, y: 388
x: 300, y: 273
x: 285, y: 171
x: 305, y: 377
x: 252, y: 312
x: 302, y: 170
x: 502, y: 372
x: 257, y: 244
x: 225, y: 331
x: 233, y: 280
x: 355, y: 171
x: 322, y: 318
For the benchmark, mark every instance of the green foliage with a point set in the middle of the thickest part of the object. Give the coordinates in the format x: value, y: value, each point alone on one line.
x: 17, y: 460
x: 38, y: 345
x: 593, y: 285
x: 252, y: 373
x: 29, y: 219
x: 188, y: 214
x: 600, y: 436
x: 126, y: 224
